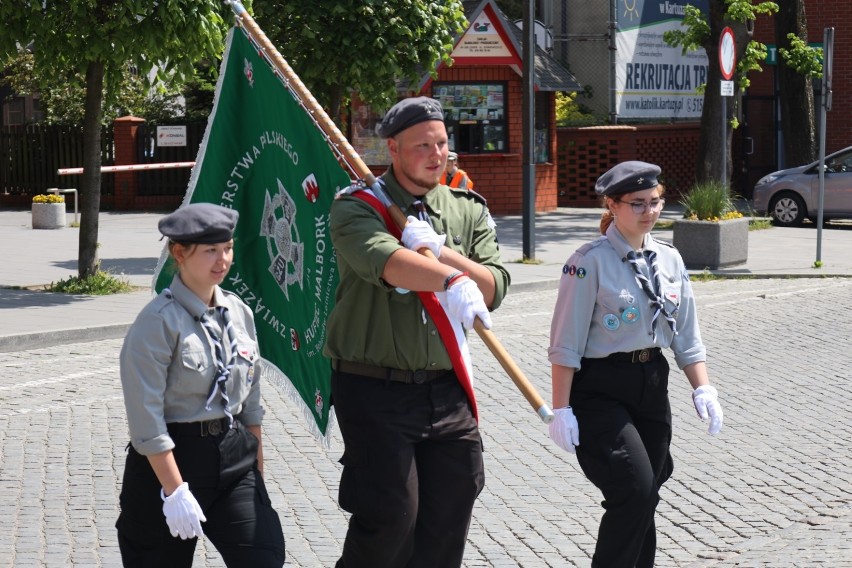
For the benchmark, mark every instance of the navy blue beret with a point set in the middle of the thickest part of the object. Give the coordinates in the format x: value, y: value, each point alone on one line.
x: 408, y: 112
x: 627, y: 177
x: 202, y: 223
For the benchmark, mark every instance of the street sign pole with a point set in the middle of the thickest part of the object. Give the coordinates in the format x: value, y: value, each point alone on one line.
x: 825, y: 106
x: 727, y: 63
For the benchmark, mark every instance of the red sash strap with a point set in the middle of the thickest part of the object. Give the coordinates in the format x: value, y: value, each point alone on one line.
x: 434, y: 309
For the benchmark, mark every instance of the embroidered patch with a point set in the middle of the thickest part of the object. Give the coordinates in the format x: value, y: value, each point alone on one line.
x: 581, y: 273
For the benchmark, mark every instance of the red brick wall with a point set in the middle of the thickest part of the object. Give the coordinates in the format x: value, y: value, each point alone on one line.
x: 583, y: 154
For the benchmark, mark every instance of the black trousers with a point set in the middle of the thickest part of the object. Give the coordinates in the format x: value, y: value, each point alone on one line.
x: 625, y: 422
x: 222, y: 475
x: 412, y: 469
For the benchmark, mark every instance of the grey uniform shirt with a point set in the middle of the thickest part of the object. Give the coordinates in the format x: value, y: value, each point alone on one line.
x: 601, y: 308
x: 168, y: 365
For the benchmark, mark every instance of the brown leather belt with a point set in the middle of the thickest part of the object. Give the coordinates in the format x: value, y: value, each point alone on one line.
x: 638, y: 356
x: 201, y: 429
x: 388, y: 374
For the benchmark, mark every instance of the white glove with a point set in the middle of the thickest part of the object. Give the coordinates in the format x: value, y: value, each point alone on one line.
x: 183, y: 513
x: 465, y: 303
x: 706, y: 401
x: 564, y: 429
x: 419, y: 234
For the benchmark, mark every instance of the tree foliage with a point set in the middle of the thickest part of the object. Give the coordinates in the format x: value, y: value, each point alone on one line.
x: 702, y: 31
x: 337, y: 46
x: 99, y: 40
x: 802, y: 58
x: 63, y: 103
x: 697, y: 35
x: 67, y: 35
x: 570, y: 113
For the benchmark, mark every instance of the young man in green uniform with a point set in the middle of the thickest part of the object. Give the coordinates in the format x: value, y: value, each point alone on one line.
x: 412, y: 460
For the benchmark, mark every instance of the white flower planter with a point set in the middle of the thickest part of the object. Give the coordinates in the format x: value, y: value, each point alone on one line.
x: 49, y: 216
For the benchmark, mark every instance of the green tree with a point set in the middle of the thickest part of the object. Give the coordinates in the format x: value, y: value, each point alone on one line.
x: 99, y: 40
x: 570, y: 113
x: 64, y: 103
x: 337, y: 46
x: 703, y: 32
x: 199, y: 91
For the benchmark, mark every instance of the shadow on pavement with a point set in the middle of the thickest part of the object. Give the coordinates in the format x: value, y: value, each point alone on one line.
x: 118, y: 266
x: 12, y: 299
x: 552, y: 230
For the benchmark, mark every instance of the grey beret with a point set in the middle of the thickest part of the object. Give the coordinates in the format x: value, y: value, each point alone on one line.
x: 627, y: 177
x: 408, y: 112
x: 202, y: 223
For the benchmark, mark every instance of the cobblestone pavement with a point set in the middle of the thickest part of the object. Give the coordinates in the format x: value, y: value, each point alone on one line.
x: 772, y: 490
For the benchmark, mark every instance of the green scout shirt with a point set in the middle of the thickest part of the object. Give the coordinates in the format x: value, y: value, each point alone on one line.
x: 373, y: 322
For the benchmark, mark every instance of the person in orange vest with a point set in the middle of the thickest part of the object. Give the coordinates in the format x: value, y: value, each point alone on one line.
x: 458, y: 178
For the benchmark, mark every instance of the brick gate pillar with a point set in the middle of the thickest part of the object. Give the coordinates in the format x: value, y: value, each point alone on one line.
x: 124, y: 132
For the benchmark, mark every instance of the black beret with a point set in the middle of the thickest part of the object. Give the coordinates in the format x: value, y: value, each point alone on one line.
x: 202, y: 223
x: 627, y: 177
x: 408, y: 112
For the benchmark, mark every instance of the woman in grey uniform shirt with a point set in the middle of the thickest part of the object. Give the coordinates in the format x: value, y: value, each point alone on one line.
x: 622, y: 298
x: 192, y: 394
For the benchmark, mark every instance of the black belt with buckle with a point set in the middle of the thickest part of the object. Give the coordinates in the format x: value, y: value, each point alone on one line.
x: 638, y: 356
x: 388, y: 374
x: 200, y: 429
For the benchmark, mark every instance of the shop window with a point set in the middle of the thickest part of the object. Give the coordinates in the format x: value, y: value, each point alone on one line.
x: 541, y: 150
x: 38, y: 112
x: 362, y: 134
x: 15, y: 111
x: 475, y: 115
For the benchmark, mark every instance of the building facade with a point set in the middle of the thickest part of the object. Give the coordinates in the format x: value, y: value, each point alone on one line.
x: 482, y: 94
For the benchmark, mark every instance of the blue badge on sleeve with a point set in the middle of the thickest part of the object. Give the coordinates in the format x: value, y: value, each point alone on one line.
x: 581, y: 273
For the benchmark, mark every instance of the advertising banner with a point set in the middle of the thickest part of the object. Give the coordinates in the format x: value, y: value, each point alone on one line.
x: 653, y: 80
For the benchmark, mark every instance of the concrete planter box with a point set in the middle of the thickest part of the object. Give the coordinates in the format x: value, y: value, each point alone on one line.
x: 49, y: 216
x: 711, y: 244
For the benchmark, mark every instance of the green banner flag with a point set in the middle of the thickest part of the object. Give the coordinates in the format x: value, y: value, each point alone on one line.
x: 263, y: 156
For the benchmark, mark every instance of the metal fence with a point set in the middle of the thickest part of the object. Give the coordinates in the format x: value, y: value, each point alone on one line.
x: 581, y: 41
x: 31, y: 155
x: 169, y: 181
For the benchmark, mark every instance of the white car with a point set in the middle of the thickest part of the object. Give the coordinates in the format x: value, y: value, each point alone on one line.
x: 790, y: 196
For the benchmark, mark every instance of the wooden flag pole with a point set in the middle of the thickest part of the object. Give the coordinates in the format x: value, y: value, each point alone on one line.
x: 360, y: 169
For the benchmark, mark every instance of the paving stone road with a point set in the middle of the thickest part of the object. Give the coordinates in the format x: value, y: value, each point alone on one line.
x: 774, y: 489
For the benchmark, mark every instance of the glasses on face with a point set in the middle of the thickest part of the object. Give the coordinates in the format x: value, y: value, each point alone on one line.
x: 639, y: 207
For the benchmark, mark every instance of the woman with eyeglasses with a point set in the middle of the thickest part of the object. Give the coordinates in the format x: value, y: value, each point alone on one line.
x: 622, y: 299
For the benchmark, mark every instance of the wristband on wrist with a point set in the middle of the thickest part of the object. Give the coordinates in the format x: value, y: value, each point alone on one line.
x: 448, y: 281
